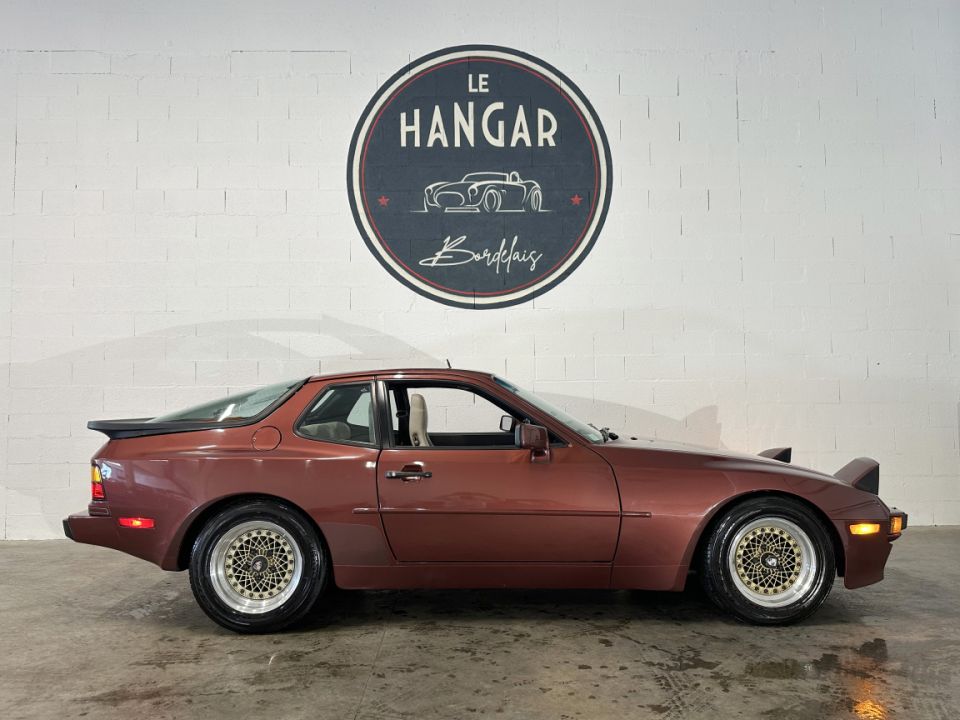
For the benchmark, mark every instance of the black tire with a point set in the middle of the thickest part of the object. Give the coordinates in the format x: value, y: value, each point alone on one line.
x: 762, y: 529
x: 283, y: 540
x: 491, y: 201
x: 534, y: 200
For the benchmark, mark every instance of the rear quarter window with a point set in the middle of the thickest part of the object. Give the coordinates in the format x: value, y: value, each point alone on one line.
x: 340, y: 414
x: 235, y: 408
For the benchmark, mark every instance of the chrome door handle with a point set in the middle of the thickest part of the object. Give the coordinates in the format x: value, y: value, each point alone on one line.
x: 408, y: 474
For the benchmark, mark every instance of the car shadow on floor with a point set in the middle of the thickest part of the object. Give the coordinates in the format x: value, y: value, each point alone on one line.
x: 357, y: 608
x: 170, y: 603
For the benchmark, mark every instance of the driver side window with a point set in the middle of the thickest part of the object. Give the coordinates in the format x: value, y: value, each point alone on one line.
x: 446, y: 416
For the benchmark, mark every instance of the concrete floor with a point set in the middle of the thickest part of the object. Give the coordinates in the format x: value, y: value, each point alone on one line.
x: 88, y: 632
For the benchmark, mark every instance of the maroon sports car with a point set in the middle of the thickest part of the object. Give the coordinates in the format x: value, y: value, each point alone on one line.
x: 268, y: 496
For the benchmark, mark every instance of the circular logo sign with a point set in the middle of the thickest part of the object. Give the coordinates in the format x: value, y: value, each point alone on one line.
x: 479, y: 176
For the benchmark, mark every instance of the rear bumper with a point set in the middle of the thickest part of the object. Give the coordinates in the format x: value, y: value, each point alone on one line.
x: 103, y: 530
x: 91, y: 530
x: 866, y: 556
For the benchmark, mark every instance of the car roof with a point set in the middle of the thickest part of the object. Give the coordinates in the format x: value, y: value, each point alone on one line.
x: 404, y: 372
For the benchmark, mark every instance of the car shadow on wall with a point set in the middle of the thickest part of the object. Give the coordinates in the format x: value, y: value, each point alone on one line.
x: 304, y: 344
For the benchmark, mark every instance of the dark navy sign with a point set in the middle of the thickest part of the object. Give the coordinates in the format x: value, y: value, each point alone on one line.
x: 479, y: 176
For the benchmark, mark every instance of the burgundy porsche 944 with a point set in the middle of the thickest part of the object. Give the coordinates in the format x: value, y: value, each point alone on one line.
x: 271, y: 495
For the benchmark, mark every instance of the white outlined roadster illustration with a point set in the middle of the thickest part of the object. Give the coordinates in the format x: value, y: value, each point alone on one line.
x: 489, y: 192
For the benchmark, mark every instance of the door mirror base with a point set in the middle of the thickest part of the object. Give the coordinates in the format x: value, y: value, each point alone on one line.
x: 534, y: 438
x: 540, y: 456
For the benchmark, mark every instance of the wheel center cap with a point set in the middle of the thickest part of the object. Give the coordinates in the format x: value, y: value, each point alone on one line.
x: 258, y: 564
x: 770, y: 560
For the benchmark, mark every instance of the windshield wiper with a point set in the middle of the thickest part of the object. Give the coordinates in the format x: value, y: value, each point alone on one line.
x: 604, y: 432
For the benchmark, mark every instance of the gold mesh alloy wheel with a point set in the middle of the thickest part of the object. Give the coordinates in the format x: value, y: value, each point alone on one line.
x: 259, y: 563
x: 772, y: 562
x: 255, y: 567
x: 768, y: 560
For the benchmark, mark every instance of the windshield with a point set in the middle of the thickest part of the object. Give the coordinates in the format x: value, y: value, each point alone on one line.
x: 241, y: 406
x: 581, y: 428
x: 485, y: 176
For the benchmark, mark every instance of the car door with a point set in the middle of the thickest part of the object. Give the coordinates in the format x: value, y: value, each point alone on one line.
x: 470, y: 497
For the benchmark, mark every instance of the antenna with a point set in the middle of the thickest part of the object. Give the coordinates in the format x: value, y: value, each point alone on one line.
x: 449, y: 366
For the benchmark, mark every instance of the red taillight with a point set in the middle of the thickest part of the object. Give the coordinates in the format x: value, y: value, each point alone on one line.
x: 141, y: 523
x: 96, y: 484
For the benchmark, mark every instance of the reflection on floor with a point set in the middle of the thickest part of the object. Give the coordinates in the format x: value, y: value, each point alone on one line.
x: 92, y: 632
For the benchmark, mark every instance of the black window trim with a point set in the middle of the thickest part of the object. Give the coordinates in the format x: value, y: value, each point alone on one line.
x: 387, y: 424
x: 353, y: 443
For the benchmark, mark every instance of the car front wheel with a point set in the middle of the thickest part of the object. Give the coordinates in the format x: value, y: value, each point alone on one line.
x: 534, y: 200
x: 491, y: 201
x: 257, y: 567
x: 769, y: 561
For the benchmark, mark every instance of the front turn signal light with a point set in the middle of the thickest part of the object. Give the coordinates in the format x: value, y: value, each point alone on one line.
x: 865, y: 528
x: 896, y: 524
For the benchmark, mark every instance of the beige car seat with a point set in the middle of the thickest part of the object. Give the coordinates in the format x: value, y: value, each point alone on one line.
x: 418, y: 422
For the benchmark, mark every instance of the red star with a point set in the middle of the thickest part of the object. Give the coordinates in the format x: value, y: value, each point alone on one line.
x: 383, y: 200
x: 576, y: 200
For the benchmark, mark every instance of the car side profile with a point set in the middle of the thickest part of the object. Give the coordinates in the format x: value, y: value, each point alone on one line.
x: 488, y: 192
x: 458, y: 479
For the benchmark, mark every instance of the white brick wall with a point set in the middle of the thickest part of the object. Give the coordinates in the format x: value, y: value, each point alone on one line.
x: 781, y: 262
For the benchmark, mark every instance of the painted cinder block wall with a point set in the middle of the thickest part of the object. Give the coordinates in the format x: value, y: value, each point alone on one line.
x: 780, y: 264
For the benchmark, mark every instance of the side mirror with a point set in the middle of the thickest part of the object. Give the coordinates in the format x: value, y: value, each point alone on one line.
x: 507, y: 423
x: 535, y: 439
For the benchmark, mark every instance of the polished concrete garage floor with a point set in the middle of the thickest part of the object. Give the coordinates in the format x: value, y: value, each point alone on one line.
x: 88, y: 632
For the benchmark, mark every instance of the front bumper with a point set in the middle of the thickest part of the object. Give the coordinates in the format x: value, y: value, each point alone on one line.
x: 866, y: 556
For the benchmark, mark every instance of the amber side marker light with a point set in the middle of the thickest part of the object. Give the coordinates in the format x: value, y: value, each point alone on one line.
x: 865, y: 528
x: 141, y: 523
x: 96, y: 484
x: 896, y: 524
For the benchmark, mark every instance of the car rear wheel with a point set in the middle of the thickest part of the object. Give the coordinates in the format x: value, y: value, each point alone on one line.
x: 257, y: 567
x: 769, y: 561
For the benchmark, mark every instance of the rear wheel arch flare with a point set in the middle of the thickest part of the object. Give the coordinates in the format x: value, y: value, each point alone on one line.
x: 197, y: 523
x: 707, y: 528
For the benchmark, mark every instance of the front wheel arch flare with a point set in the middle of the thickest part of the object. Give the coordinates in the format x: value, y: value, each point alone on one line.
x: 720, y: 511
x: 197, y: 524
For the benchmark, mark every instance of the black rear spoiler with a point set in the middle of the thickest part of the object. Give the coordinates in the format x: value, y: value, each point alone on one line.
x: 782, y: 454
x: 142, y: 427
x: 862, y: 473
